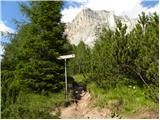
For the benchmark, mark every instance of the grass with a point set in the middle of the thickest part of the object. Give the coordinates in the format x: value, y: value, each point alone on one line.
x: 79, y: 78
x: 124, y: 100
x: 34, y: 106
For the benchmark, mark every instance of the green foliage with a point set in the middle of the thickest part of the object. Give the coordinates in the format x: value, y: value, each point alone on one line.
x: 151, y: 92
x: 145, y: 64
x: 81, y: 63
x: 102, y: 52
x: 29, y: 63
x: 124, y: 100
x: 40, y: 75
x: 123, y: 72
x: 79, y: 78
x: 123, y: 58
x: 34, y: 106
x: 31, y: 71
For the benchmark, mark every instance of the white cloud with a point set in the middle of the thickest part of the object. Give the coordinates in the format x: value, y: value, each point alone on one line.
x: 69, y: 14
x: 121, y: 7
x: 137, y: 9
x: 5, y: 29
x: 118, y: 6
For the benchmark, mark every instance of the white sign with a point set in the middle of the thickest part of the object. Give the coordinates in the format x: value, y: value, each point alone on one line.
x: 66, y: 56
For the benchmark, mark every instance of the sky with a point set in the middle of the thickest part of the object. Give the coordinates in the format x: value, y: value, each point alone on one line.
x: 130, y: 8
x: 10, y: 10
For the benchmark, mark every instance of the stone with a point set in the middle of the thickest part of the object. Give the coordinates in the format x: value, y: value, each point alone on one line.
x: 89, y: 23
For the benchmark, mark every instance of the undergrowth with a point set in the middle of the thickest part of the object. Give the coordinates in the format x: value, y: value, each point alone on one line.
x: 34, y: 106
x: 79, y: 78
x: 124, y: 100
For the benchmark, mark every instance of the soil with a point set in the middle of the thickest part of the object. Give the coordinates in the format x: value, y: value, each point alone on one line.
x: 84, y: 110
x: 145, y: 114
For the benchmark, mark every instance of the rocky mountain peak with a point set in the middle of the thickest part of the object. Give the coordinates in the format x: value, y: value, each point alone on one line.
x: 88, y: 23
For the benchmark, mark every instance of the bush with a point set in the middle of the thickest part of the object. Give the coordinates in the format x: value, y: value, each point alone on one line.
x: 152, y: 92
x: 33, y: 106
x: 124, y: 99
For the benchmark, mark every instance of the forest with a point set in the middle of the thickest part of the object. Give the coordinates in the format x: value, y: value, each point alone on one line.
x: 121, y: 65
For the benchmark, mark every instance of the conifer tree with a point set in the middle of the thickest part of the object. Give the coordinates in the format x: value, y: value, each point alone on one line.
x: 82, y: 62
x: 29, y: 63
x: 39, y: 68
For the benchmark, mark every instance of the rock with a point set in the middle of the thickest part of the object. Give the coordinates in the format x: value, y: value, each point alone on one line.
x: 88, y: 23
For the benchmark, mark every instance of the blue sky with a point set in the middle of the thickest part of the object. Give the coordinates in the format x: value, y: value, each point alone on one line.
x: 68, y: 4
x: 149, y: 3
x: 10, y: 10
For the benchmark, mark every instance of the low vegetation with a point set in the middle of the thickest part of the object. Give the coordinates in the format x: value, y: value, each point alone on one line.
x: 122, y: 100
x: 34, y: 106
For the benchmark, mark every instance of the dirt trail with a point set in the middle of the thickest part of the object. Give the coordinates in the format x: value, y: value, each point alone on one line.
x: 83, y: 110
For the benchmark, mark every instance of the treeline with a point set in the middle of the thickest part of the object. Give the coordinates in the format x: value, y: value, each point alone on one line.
x: 122, y: 58
x: 30, y: 70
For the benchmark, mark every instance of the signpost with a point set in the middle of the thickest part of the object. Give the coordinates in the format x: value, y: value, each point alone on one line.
x: 65, y: 57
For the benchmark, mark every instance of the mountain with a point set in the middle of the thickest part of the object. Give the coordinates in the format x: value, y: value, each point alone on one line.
x: 88, y: 23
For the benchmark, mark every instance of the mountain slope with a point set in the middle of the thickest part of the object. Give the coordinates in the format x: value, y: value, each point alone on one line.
x: 88, y: 23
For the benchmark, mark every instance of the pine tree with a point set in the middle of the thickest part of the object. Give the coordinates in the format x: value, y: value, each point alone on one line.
x: 82, y: 62
x: 29, y: 63
x: 39, y: 68
x: 103, y: 60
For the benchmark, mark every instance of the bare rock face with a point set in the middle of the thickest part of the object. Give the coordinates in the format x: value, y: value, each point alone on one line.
x: 88, y: 23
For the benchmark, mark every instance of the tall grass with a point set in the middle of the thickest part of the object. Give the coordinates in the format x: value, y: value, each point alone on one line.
x: 124, y: 100
x: 34, y: 106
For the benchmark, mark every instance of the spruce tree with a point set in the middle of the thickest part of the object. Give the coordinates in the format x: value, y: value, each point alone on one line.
x: 81, y: 64
x: 29, y: 63
x: 39, y: 68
